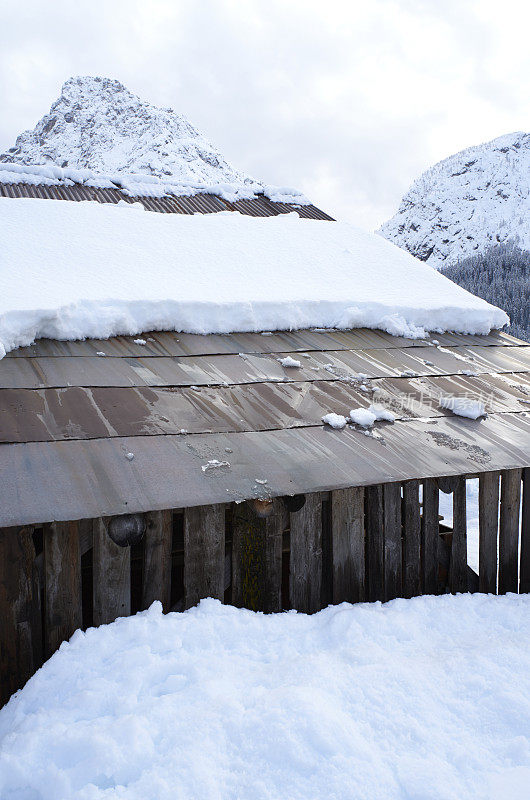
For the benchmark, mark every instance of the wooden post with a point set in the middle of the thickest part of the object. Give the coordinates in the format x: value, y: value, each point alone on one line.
x: 412, y: 539
x: 488, y: 517
x: 373, y: 504
x: 157, y: 558
x: 62, y: 584
x: 430, y: 533
x: 347, y: 545
x: 458, y: 562
x: 305, y: 566
x: 204, y: 553
x: 509, y: 530
x: 20, y: 611
x: 524, y: 585
x: 111, y: 575
x: 257, y: 557
x: 392, y: 534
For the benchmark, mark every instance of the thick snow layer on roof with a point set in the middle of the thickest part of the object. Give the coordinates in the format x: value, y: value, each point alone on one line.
x: 77, y: 270
x: 426, y: 698
x: 101, y: 134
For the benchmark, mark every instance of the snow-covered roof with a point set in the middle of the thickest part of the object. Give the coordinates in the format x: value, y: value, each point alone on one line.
x: 78, y: 270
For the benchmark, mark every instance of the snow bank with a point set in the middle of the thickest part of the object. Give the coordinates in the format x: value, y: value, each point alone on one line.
x: 336, y: 421
x: 77, y: 270
x: 426, y: 699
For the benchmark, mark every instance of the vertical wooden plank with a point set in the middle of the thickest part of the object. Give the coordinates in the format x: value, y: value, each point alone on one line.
x: 430, y: 532
x: 111, y: 576
x: 204, y: 553
x: 488, y: 519
x: 62, y: 584
x: 257, y: 557
x: 411, y: 539
x: 305, y: 565
x: 157, y: 558
x: 347, y: 545
x: 458, y: 562
x: 392, y: 534
x: 373, y: 504
x: 524, y: 585
x: 20, y: 611
x: 509, y: 530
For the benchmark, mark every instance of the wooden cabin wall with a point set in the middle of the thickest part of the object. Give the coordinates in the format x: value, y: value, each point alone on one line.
x: 356, y: 544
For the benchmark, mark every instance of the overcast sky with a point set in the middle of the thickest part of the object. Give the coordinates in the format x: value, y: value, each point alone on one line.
x: 348, y: 101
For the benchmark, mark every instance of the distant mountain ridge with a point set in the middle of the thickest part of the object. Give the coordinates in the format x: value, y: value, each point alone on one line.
x: 99, y: 125
x: 101, y: 134
x: 466, y: 204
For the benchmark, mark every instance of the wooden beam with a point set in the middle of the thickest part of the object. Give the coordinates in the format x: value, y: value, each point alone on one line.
x: 373, y: 504
x: 488, y: 518
x: 347, y: 545
x: 524, y: 585
x: 392, y: 547
x: 20, y: 611
x: 509, y: 530
x: 305, y: 566
x: 62, y: 584
x: 430, y: 534
x: 458, y: 564
x: 204, y: 553
x: 257, y: 557
x: 411, y: 539
x: 157, y: 558
x: 111, y: 576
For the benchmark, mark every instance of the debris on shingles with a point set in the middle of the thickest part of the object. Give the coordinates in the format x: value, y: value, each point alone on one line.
x: 469, y: 372
x: 183, y: 431
x: 214, y: 463
x: 336, y: 421
x: 365, y: 417
x: 261, y: 481
x: 289, y: 362
x: 129, y: 456
x: 474, y: 452
x: 408, y: 373
x: 140, y: 341
x: 100, y: 353
x: 463, y: 406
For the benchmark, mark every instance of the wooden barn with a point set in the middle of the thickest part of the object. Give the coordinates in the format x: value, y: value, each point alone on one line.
x: 182, y: 466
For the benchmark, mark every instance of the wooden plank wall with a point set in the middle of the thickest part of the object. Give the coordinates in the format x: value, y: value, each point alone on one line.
x: 347, y: 545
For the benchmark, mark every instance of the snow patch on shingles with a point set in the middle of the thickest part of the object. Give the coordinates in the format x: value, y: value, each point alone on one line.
x: 289, y: 362
x: 336, y: 421
x: 428, y: 697
x: 91, y: 270
x: 463, y: 406
x: 365, y: 417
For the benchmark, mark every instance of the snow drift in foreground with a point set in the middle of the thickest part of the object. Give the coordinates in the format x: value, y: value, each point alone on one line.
x: 424, y: 699
x: 78, y: 270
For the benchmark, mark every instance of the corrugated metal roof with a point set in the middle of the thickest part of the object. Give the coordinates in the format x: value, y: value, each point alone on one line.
x: 260, y: 206
x: 68, y: 417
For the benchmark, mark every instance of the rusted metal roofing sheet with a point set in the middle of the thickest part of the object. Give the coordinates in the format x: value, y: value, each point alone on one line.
x: 168, y: 343
x: 68, y: 417
x: 98, y: 412
x: 47, y: 481
x: 229, y: 369
x: 259, y: 206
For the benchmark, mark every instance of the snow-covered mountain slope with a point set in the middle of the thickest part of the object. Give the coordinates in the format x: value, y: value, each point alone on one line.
x: 100, y: 128
x: 467, y: 203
